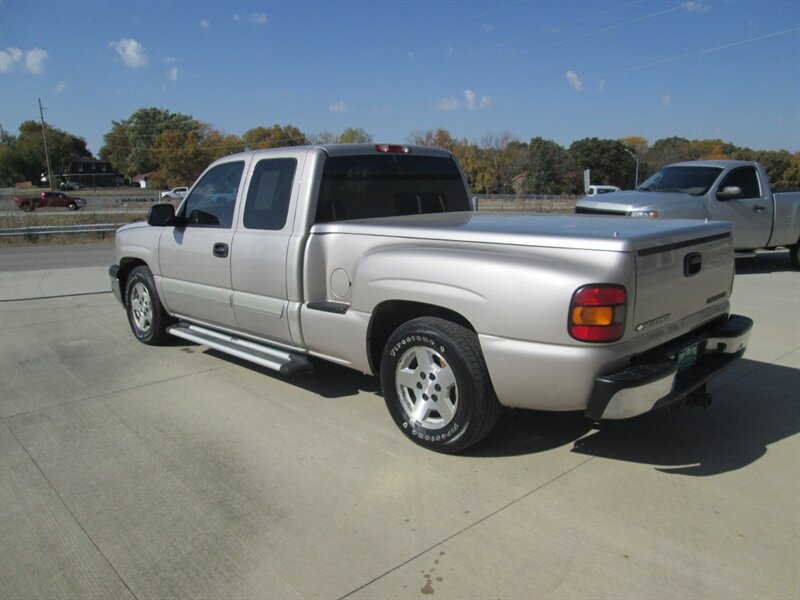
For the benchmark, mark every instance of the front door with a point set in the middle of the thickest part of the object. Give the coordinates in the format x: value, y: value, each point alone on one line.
x: 194, y: 260
x: 749, y: 210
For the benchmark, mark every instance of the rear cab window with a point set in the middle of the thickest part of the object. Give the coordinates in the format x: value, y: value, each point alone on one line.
x: 384, y: 185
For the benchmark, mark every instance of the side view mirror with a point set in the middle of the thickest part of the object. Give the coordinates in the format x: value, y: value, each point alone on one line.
x: 729, y: 192
x: 162, y: 215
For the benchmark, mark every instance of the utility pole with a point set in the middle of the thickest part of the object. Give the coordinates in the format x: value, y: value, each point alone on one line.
x: 46, y: 153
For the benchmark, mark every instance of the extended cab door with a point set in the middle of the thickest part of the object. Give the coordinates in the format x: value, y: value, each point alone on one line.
x: 259, y: 263
x: 750, y: 210
x: 195, y: 260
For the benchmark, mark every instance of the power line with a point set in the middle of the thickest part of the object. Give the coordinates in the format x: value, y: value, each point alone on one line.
x: 701, y: 52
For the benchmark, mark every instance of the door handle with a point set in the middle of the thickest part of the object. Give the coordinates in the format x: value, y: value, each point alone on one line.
x: 759, y: 208
x: 220, y: 250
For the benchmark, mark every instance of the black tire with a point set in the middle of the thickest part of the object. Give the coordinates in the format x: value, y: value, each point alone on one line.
x: 436, y: 385
x: 794, y: 255
x: 72, y: 206
x: 27, y: 207
x: 146, y: 315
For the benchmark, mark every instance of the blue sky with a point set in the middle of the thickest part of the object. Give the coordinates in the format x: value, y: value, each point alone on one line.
x: 562, y: 70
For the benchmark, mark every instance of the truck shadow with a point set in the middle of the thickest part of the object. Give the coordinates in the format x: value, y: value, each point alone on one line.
x: 746, y: 417
x: 774, y: 261
x: 759, y: 408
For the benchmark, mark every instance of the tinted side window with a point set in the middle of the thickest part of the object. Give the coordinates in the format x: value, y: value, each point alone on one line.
x: 213, y: 199
x: 745, y: 178
x: 269, y: 194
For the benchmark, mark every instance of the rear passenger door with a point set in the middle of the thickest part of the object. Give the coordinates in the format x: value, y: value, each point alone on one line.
x: 195, y: 260
x: 259, y: 263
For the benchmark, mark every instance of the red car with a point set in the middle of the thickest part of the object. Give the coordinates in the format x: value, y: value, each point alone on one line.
x: 49, y: 199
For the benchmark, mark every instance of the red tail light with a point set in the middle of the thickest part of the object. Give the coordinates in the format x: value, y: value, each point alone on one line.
x: 597, y: 313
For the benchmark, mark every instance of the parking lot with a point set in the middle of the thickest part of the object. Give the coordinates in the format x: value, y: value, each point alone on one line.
x: 128, y: 471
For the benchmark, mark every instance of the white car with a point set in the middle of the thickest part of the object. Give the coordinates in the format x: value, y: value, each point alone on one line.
x: 174, y: 193
x: 596, y: 190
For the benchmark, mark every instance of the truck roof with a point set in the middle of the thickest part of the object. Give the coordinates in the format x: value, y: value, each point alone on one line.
x: 722, y: 164
x: 349, y: 150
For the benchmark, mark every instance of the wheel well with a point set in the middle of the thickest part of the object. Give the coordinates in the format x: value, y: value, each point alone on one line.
x: 390, y: 315
x: 126, y: 265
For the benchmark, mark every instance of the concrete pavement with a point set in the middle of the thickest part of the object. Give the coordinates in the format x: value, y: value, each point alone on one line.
x: 135, y: 472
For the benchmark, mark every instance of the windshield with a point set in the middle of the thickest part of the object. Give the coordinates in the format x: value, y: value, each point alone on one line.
x: 685, y: 180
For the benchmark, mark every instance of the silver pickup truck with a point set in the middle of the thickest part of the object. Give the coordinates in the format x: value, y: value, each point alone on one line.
x: 370, y: 256
x: 725, y: 190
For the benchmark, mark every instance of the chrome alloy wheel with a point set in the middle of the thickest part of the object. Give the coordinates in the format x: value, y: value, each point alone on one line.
x: 141, y: 307
x: 426, y: 387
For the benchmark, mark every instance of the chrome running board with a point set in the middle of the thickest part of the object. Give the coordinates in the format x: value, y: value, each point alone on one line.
x: 286, y: 363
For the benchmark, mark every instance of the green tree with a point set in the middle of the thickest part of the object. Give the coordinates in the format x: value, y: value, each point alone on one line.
x: 23, y: 156
x: 353, y: 136
x: 544, y: 168
x: 440, y: 138
x: 791, y: 177
x: 276, y: 136
x: 608, y: 161
x: 183, y: 155
x: 128, y: 146
x: 664, y: 152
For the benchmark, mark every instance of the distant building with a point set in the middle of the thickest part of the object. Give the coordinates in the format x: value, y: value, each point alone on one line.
x: 89, y: 172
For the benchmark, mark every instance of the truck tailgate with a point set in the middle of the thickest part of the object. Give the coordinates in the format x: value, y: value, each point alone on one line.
x: 680, y: 277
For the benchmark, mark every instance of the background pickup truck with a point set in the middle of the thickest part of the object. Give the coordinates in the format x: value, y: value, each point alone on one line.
x: 48, y: 200
x: 371, y: 257
x: 725, y: 190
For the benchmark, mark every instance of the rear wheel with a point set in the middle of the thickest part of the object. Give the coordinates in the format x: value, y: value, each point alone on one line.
x: 26, y: 207
x: 146, y: 315
x: 436, y: 385
x: 794, y: 255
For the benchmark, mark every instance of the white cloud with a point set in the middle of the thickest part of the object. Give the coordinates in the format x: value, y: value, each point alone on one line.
x: 666, y: 101
x: 339, y: 107
x: 486, y: 102
x: 697, y: 6
x: 172, y: 74
x: 9, y: 58
x: 602, y: 85
x: 205, y: 24
x: 469, y: 97
x: 487, y: 28
x: 410, y: 56
x: 447, y: 104
x: 450, y: 51
x: 34, y: 61
x: 574, y: 81
x: 256, y: 18
x: 62, y: 85
x: 131, y: 52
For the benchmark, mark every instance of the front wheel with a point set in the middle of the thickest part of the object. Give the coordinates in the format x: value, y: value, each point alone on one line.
x: 27, y: 207
x: 72, y: 206
x: 146, y: 315
x: 436, y: 385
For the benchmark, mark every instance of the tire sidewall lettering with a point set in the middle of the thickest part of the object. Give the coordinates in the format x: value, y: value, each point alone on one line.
x: 411, y: 340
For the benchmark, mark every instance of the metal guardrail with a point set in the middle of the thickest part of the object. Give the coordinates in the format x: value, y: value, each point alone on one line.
x: 60, y: 229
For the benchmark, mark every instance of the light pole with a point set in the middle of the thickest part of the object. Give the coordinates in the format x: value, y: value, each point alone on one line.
x: 636, y: 158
